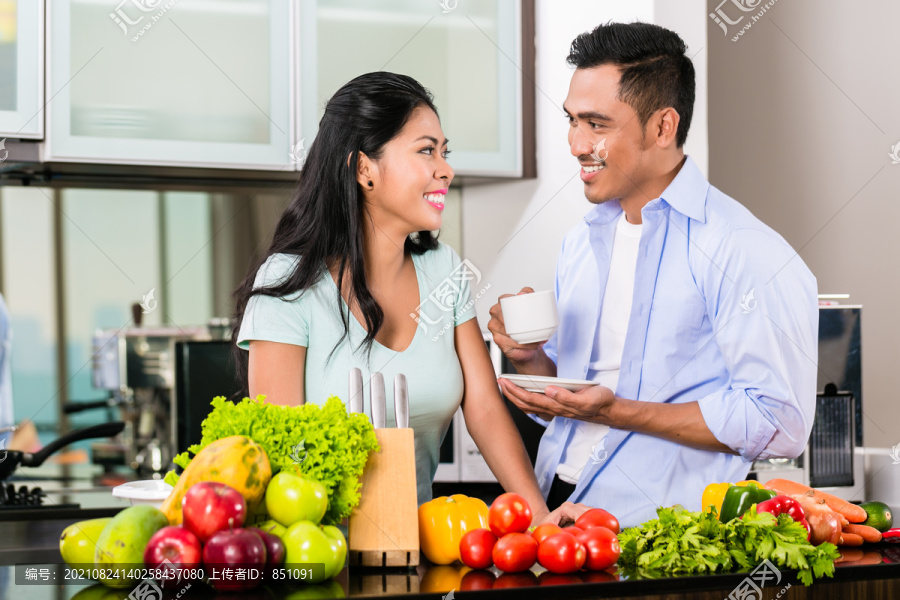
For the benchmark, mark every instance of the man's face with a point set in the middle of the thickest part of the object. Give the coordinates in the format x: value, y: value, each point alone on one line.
x: 605, y: 135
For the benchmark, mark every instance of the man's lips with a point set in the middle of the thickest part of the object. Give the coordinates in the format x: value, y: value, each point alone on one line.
x: 590, y: 170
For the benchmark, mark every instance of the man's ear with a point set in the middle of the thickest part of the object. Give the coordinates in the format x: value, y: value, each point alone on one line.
x: 666, y: 127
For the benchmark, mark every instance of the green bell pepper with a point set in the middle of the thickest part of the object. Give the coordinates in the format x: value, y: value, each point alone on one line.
x: 739, y: 499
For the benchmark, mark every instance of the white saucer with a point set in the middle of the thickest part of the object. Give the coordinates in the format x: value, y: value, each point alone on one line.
x: 535, y: 383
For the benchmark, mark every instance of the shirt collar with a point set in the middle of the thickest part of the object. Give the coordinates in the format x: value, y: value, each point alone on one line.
x: 686, y: 194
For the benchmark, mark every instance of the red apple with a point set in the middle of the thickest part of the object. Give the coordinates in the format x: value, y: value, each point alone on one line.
x: 210, y: 506
x: 235, y: 549
x: 275, y: 550
x: 173, y: 549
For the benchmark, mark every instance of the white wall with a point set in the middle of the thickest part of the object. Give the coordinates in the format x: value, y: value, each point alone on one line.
x: 512, y: 231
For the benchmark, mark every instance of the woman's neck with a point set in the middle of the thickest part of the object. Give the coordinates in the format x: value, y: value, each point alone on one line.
x: 385, y: 254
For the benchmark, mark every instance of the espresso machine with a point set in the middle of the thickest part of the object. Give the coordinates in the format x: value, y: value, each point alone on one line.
x: 136, y: 366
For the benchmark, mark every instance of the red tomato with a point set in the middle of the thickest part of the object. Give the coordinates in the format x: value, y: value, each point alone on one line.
x: 597, y: 517
x: 509, y: 513
x: 515, y: 580
x: 475, y: 548
x: 573, y: 530
x: 515, y: 552
x: 561, y: 553
x: 477, y: 580
x: 602, y: 547
x: 542, y: 531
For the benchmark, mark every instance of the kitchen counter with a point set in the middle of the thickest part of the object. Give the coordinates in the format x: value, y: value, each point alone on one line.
x: 854, y: 580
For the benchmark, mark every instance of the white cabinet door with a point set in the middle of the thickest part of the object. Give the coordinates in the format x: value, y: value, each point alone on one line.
x: 203, y: 83
x: 465, y: 51
x: 21, y: 69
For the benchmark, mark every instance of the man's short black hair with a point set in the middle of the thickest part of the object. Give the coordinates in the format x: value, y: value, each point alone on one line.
x: 656, y: 72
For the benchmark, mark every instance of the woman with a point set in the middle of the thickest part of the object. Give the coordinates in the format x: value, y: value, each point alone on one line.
x: 353, y: 260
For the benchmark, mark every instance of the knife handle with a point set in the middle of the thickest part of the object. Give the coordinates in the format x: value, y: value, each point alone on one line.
x: 401, y: 401
x: 376, y: 391
x: 355, y: 400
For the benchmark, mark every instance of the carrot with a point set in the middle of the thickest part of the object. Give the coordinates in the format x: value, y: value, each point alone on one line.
x: 869, y: 534
x: 852, y: 512
x: 850, y: 539
x: 869, y: 558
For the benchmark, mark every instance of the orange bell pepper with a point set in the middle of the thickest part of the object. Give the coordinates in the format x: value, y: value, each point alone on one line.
x: 444, y: 521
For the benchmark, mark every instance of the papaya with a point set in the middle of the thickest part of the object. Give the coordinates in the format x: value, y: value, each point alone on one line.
x: 237, y: 461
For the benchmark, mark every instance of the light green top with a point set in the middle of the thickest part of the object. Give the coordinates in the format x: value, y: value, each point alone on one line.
x: 312, y: 319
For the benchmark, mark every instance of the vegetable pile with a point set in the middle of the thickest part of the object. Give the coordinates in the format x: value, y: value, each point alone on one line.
x: 322, y: 442
x: 680, y: 542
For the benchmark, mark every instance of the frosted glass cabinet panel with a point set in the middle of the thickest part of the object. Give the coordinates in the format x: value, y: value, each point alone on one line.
x: 464, y: 51
x: 174, y: 82
x: 21, y: 69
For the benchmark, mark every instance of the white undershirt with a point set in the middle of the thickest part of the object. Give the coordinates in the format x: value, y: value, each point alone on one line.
x: 606, y: 356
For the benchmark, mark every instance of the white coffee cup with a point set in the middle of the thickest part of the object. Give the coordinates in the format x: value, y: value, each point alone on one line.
x: 530, y: 317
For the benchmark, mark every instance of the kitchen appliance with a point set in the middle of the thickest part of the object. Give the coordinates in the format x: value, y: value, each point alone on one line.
x: 136, y: 366
x: 11, y: 460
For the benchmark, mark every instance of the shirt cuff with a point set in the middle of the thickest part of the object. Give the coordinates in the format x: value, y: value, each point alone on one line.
x: 735, y: 420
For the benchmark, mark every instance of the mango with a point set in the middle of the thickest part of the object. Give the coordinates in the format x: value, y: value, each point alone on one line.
x: 79, y: 541
x: 124, y: 539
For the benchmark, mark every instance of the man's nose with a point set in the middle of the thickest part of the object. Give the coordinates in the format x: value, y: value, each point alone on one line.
x: 579, y: 144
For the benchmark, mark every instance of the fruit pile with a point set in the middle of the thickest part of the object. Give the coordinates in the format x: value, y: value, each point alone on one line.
x: 505, y: 538
x: 200, y: 533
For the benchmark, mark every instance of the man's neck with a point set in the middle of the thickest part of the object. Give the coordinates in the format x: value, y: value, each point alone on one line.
x: 650, y: 189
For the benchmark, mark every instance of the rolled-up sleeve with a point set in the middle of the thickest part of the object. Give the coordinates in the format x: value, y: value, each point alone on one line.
x: 762, y: 300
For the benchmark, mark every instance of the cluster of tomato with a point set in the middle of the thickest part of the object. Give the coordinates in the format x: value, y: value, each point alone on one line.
x: 591, y: 543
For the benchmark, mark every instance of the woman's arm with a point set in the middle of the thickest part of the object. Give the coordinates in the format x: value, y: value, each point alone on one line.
x: 489, y: 422
x: 277, y: 371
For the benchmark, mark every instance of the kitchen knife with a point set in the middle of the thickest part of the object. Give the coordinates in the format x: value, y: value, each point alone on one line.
x: 376, y: 391
x: 401, y: 401
x: 355, y: 401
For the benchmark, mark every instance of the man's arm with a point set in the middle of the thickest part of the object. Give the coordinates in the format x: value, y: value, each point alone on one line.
x: 679, y: 423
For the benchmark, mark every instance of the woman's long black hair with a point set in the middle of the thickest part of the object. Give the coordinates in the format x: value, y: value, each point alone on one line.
x: 323, y: 224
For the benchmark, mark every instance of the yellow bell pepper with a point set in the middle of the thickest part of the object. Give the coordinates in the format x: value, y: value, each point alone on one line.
x: 715, y: 493
x: 444, y: 521
x: 441, y: 579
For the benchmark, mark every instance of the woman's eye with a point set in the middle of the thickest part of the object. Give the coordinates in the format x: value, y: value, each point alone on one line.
x: 447, y: 153
x: 427, y: 150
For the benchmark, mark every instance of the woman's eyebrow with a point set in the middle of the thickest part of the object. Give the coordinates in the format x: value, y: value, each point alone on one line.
x: 433, y: 140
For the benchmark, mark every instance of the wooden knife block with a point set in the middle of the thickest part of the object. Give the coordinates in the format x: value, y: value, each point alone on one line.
x: 384, y: 527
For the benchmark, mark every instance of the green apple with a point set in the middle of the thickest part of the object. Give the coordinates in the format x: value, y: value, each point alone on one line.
x: 291, y: 498
x: 308, y: 543
x: 272, y: 526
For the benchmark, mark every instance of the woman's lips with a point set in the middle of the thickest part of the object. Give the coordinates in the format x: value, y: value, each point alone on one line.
x: 436, y: 198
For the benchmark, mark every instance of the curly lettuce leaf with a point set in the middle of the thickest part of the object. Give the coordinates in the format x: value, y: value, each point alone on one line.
x: 331, y: 445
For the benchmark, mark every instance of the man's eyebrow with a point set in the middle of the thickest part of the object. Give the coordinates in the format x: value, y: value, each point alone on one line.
x: 433, y: 140
x: 589, y: 115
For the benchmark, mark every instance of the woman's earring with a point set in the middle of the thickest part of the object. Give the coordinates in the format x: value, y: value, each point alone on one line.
x: 370, y: 184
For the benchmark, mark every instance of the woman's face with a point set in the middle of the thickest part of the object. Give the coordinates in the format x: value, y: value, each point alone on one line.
x: 411, y: 178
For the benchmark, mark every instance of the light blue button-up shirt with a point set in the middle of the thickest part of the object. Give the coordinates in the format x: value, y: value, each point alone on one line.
x: 724, y: 313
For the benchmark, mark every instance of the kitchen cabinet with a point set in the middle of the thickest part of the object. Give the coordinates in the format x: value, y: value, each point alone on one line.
x: 467, y: 52
x: 21, y: 70
x: 166, y: 82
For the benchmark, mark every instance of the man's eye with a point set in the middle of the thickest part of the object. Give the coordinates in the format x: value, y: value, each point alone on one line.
x: 570, y: 119
x: 596, y: 125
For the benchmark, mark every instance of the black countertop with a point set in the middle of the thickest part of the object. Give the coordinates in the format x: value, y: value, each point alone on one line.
x: 876, y: 575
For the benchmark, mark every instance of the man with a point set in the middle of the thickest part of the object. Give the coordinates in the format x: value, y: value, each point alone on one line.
x: 698, y: 322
